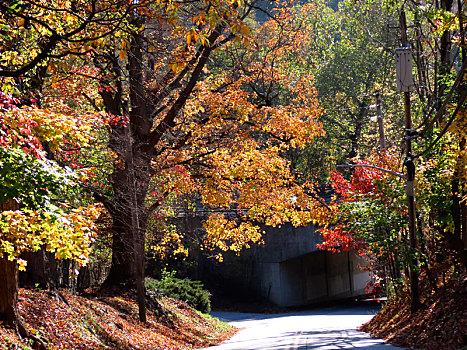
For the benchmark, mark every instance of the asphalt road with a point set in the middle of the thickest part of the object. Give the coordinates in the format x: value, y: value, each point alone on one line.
x: 326, y: 328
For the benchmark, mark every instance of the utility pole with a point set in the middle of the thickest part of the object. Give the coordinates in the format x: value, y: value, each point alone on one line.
x: 405, y: 84
x: 462, y: 144
x: 379, y: 116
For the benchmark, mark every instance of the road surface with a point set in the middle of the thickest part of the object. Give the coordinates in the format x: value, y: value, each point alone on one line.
x: 326, y: 328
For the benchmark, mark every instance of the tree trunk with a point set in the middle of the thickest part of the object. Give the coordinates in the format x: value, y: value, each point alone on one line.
x: 9, y: 281
x: 139, y: 275
x: 130, y: 182
x: 9, y: 292
x: 134, y: 145
x: 9, y: 301
x: 455, y: 240
x: 464, y: 229
x: 121, y: 271
x: 129, y: 228
x: 129, y: 214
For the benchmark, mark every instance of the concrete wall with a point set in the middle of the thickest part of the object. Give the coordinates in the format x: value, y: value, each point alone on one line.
x: 290, y: 271
x: 314, y: 277
x: 285, y: 242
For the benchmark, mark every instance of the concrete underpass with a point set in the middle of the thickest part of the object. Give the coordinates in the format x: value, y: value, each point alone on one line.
x: 289, y: 270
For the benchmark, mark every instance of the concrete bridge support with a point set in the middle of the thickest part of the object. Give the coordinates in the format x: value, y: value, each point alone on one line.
x: 289, y: 270
x: 314, y: 277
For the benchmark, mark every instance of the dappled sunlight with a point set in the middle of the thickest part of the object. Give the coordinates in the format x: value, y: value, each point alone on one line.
x: 324, y: 328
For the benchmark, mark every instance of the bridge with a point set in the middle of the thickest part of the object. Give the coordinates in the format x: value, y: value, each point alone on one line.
x: 289, y: 270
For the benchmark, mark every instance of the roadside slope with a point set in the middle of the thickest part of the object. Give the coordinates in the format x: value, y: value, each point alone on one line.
x: 65, y: 321
x: 441, y: 323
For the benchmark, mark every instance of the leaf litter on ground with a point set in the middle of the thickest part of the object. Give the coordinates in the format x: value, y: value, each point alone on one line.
x: 440, y: 323
x: 65, y: 321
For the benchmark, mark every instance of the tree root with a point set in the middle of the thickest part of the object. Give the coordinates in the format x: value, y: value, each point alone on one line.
x: 37, y: 343
x: 58, y: 295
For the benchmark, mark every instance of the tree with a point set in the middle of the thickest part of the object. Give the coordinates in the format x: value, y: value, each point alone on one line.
x: 349, y: 51
x: 176, y: 128
x: 371, y: 214
x: 35, y: 209
x: 149, y: 62
x: 33, y: 32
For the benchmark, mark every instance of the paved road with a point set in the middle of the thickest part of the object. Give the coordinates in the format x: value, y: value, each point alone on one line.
x: 327, y: 328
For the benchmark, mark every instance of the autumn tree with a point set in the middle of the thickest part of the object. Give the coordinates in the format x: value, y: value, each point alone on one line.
x: 35, y: 39
x: 349, y: 50
x: 32, y: 32
x: 174, y: 128
x: 371, y: 214
x: 171, y: 127
x: 439, y: 117
x: 36, y: 199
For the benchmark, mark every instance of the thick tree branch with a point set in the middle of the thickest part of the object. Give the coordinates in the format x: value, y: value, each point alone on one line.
x: 441, y: 111
x: 446, y: 127
x: 168, y: 121
x: 108, y: 204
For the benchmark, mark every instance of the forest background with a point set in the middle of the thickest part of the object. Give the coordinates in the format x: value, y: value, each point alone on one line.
x: 118, y: 117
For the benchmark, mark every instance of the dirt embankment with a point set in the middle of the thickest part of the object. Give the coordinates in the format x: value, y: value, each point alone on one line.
x: 441, y: 322
x: 65, y: 321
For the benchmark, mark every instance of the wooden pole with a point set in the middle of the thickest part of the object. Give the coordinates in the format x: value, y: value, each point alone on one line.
x: 410, y: 166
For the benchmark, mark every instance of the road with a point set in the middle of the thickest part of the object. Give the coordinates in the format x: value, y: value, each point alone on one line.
x: 326, y: 328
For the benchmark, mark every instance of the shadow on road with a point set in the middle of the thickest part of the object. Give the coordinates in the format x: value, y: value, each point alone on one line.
x: 368, y: 307
x: 309, y: 340
x: 331, y: 327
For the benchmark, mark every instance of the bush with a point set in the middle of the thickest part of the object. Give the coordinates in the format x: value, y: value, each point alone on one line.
x: 191, y: 292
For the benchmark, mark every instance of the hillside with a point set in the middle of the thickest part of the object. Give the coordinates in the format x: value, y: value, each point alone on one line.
x: 441, y: 322
x: 66, y: 321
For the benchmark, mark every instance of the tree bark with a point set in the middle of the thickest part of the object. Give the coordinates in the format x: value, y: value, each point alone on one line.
x: 454, y: 240
x: 122, y: 251
x: 9, y: 281
x: 9, y: 292
x: 9, y: 301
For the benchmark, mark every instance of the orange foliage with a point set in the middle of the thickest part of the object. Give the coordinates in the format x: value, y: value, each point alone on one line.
x: 65, y: 231
x: 228, y: 145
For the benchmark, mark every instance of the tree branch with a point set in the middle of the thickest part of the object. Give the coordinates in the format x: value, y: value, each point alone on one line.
x: 373, y: 167
x: 168, y: 121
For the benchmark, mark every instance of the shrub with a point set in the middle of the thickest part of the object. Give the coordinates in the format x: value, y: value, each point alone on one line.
x: 191, y: 292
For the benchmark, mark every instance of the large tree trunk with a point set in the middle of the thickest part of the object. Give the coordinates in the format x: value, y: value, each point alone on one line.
x: 131, y: 180
x: 454, y: 240
x: 9, y: 301
x: 121, y: 271
x: 129, y: 212
x: 9, y: 292
x: 464, y: 228
x: 9, y: 281
x: 129, y: 228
